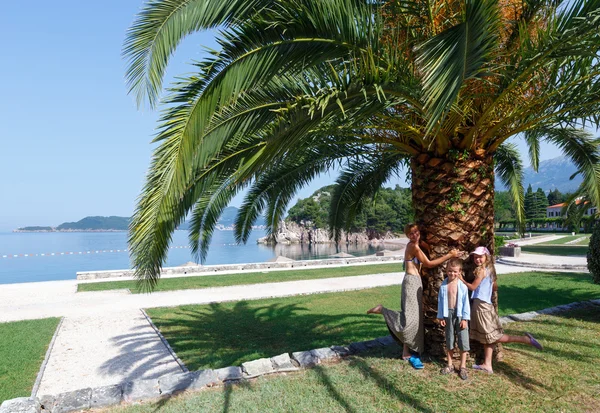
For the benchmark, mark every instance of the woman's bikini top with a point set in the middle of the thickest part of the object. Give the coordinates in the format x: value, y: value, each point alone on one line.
x: 414, y: 260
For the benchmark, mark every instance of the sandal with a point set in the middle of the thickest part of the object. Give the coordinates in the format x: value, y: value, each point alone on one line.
x: 480, y: 368
x: 447, y: 370
x: 534, y: 342
x: 416, y: 362
x: 462, y: 373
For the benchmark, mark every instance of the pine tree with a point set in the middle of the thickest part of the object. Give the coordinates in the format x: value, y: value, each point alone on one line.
x: 529, y: 203
x: 555, y: 197
x: 541, y: 203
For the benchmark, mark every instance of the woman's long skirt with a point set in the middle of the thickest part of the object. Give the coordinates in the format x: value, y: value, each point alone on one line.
x: 406, y: 325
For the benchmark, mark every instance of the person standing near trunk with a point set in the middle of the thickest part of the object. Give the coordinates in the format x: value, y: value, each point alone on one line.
x: 406, y: 325
x: 485, y: 323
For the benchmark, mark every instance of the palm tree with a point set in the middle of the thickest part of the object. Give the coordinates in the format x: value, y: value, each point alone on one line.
x: 302, y: 85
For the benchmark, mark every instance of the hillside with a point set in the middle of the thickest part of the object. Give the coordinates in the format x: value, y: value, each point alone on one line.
x: 96, y: 224
x: 114, y: 223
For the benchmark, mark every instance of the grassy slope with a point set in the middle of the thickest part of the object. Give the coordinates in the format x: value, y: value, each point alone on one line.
x: 224, y: 334
x: 23, y: 345
x: 223, y: 280
x: 564, y: 377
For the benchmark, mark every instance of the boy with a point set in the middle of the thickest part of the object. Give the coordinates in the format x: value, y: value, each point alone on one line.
x: 453, y: 312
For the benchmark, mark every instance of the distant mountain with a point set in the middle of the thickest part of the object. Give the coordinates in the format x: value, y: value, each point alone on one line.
x: 84, y: 225
x: 552, y: 174
x: 97, y: 224
x: 113, y: 223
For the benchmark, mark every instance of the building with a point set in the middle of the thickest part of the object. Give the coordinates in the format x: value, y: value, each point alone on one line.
x: 554, y: 211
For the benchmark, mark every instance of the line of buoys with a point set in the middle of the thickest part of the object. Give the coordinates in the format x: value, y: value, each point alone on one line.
x: 54, y: 254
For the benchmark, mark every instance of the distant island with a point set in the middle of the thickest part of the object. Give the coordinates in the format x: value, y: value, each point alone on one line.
x: 113, y: 223
x: 87, y: 224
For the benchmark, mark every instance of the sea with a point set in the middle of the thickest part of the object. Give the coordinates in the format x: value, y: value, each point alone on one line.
x: 51, y: 256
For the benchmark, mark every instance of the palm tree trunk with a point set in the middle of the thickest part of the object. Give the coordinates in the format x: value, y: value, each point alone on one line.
x: 453, y: 198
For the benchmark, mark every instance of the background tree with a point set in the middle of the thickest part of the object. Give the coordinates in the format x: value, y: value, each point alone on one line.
x: 503, y: 207
x: 390, y: 211
x: 555, y: 197
x: 530, y: 204
x: 541, y: 203
x: 299, y: 86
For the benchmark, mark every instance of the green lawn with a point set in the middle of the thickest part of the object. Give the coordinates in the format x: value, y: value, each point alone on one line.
x: 224, y: 280
x: 224, y: 334
x: 564, y: 250
x: 563, y: 378
x: 23, y: 345
x: 569, y: 238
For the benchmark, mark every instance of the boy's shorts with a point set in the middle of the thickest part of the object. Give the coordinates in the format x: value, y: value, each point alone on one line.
x: 453, y: 325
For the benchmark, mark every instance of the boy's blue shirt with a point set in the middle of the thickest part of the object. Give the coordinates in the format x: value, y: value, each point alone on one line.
x: 463, y: 308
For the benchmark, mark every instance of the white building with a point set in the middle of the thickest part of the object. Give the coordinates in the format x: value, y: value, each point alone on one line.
x: 554, y: 211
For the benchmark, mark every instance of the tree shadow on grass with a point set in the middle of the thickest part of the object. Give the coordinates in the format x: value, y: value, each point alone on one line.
x: 515, y: 299
x: 221, y: 335
x: 386, y: 385
x: 141, y: 356
x: 517, y: 376
x: 324, y: 379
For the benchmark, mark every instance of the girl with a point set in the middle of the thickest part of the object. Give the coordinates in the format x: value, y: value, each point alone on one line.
x: 406, y: 325
x: 485, y: 324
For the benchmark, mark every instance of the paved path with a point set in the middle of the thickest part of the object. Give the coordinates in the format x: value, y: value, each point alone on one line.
x: 105, y: 339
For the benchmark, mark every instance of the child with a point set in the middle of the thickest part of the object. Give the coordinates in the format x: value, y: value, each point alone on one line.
x: 485, y: 324
x: 453, y: 312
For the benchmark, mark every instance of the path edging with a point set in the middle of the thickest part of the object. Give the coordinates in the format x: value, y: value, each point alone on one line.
x: 40, y: 375
x: 165, y: 386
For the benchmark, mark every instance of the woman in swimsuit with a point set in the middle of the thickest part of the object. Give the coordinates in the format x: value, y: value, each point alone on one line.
x: 406, y: 325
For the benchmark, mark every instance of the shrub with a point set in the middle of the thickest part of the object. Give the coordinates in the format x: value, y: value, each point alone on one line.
x: 593, y: 254
x: 498, y: 242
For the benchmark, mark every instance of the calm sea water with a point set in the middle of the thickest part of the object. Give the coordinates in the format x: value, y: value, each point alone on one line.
x: 59, y: 256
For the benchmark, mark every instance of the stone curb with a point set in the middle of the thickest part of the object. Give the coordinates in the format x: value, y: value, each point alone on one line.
x: 578, y: 268
x: 203, y: 270
x: 170, y: 384
x: 38, y: 379
x: 165, y: 342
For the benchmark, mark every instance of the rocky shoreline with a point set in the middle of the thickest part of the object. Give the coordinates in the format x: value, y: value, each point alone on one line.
x: 292, y: 233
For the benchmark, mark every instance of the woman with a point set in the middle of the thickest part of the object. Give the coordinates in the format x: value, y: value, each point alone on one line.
x: 406, y: 325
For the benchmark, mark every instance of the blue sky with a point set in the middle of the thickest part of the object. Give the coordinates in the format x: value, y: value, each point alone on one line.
x: 73, y: 142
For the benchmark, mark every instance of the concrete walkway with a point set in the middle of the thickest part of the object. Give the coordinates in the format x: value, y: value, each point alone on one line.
x: 105, y: 338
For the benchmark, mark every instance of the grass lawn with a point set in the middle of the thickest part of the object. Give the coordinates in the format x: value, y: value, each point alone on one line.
x: 23, y: 345
x: 564, y: 250
x: 564, y: 240
x: 225, y: 334
x: 224, y: 280
x: 564, y: 377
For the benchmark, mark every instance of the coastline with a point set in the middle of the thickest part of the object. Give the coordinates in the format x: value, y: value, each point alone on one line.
x: 21, y: 231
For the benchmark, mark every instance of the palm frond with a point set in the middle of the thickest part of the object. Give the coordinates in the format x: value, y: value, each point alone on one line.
x: 358, y: 182
x: 455, y: 55
x: 509, y: 168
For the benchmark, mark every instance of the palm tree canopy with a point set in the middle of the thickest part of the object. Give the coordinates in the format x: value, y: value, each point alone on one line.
x: 302, y: 85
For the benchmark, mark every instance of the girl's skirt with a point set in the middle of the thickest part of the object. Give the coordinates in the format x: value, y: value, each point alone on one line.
x: 406, y: 325
x: 485, y: 325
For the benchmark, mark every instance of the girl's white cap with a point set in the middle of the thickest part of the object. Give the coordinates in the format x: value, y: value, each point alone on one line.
x: 481, y: 251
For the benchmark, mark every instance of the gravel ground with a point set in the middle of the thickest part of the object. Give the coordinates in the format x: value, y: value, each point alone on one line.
x: 98, y: 351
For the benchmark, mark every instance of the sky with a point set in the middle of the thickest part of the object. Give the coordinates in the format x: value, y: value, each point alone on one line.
x: 74, y: 143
